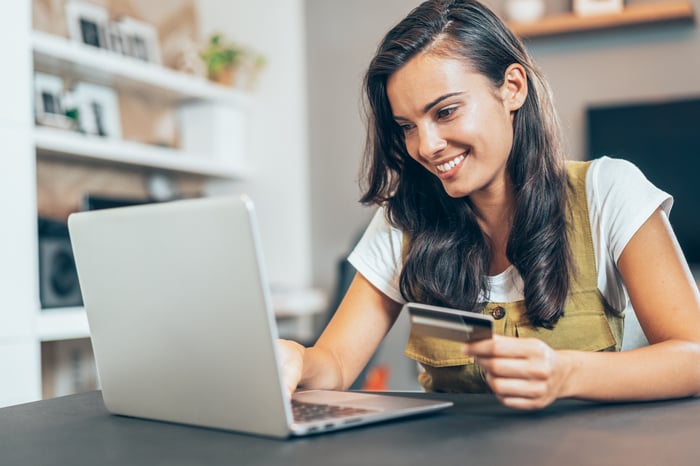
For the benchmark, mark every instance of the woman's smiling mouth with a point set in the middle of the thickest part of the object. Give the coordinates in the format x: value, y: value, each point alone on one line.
x: 449, y: 166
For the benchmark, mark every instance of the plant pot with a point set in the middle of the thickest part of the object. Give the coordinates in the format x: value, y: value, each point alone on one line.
x: 226, y: 77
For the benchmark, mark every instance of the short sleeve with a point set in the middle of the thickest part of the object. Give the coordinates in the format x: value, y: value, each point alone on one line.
x: 377, y: 256
x: 621, y: 199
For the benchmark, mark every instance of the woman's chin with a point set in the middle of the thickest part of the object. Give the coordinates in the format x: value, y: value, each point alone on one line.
x: 455, y: 192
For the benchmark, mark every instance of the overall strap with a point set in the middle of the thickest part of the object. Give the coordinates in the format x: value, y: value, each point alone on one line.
x: 585, y: 276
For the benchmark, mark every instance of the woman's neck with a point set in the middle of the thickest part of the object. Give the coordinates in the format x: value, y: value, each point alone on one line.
x: 495, y: 218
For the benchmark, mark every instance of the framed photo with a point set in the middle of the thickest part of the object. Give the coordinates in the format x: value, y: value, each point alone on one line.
x: 48, y: 102
x: 98, y: 110
x: 140, y: 40
x: 597, y: 7
x: 88, y: 23
x: 115, y: 39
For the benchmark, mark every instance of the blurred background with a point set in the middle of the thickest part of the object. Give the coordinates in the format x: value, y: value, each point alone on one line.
x: 118, y: 102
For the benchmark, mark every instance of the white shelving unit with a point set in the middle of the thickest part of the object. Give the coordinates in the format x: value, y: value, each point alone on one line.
x: 82, y: 63
x: 24, y: 326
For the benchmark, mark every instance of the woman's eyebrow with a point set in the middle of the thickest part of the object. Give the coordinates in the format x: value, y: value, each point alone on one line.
x: 432, y: 104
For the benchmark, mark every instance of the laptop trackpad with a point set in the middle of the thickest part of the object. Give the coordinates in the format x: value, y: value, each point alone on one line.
x: 362, y: 400
x: 337, y: 398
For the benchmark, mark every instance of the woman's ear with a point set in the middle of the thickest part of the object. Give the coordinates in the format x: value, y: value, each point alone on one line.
x: 514, y: 89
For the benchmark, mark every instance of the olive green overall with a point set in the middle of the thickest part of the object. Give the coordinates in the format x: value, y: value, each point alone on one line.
x: 588, y: 323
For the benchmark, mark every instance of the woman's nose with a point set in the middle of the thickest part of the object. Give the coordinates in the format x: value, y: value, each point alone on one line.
x: 431, y: 142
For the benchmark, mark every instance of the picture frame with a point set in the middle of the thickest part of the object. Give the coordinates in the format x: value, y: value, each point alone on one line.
x: 49, y: 102
x: 597, y: 7
x: 140, y: 40
x: 115, y: 39
x: 98, y: 110
x: 88, y: 23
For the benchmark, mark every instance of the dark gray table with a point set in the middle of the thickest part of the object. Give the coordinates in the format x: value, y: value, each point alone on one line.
x: 77, y: 430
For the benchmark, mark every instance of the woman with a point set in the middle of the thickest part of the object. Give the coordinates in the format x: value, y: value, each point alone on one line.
x: 479, y: 211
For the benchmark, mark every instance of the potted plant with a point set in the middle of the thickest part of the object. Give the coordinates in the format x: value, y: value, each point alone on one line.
x: 222, y: 59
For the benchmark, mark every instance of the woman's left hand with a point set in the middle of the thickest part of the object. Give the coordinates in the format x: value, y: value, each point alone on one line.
x: 524, y: 373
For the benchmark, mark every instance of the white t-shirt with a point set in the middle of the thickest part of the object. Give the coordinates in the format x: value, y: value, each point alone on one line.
x: 620, y: 200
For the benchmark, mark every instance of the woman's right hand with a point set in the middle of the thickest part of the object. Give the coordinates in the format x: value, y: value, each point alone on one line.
x: 292, y: 363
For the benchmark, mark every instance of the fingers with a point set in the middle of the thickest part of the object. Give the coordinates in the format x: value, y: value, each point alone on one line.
x: 522, y: 373
x: 527, y: 404
x: 500, y: 346
x: 511, y: 357
x: 517, y: 387
x: 291, y: 364
x: 513, y: 367
x: 523, y: 392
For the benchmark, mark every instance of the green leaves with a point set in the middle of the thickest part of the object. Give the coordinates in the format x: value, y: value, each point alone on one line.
x: 219, y: 54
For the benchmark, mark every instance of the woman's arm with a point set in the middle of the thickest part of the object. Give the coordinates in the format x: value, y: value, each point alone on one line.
x: 357, y: 328
x: 528, y: 374
x: 666, y: 301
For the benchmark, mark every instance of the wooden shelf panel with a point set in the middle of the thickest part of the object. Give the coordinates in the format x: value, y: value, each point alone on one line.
x: 79, y: 62
x: 52, y: 142
x: 632, y: 15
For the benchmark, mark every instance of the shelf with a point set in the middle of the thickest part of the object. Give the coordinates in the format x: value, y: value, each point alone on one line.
x: 634, y: 14
x: 62, y: 324
x: 300, y: 305
x: 299, y: 302
x: 51, y: 142
x: 72, y: 60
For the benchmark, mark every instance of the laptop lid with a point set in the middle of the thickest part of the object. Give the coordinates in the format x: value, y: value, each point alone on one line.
x: 180, y: 317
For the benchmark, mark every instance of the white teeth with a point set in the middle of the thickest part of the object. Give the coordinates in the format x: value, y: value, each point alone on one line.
x: 451, y: 164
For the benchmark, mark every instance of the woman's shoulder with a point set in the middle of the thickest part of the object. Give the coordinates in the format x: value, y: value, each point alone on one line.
x: 606, y: 174
x: 612, y: 167
x: 603, y: 166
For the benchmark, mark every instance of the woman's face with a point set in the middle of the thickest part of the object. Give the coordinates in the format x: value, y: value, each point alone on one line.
x: 455, y: 123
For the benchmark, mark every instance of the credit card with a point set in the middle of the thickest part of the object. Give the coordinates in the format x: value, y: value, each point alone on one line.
x: 447, y: 323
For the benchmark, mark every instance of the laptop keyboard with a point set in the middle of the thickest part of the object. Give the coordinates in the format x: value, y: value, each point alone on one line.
x: 304, y: 412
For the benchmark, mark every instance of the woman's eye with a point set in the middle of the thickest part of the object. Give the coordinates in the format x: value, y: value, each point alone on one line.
x: 406, y: 127
x: 446, y: 112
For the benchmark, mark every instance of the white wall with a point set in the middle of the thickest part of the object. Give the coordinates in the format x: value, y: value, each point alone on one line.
x: 654, y: 62
x: 277, y: 136
x: 341, y: 39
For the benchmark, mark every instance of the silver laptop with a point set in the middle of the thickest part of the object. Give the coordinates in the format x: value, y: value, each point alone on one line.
x: 182, y: 328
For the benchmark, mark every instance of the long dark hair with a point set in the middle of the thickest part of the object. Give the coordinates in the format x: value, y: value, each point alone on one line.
x: 447, y: 256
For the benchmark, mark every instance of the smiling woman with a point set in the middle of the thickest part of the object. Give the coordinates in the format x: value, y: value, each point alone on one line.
x: 443, y: 133
x: 479, y: 210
